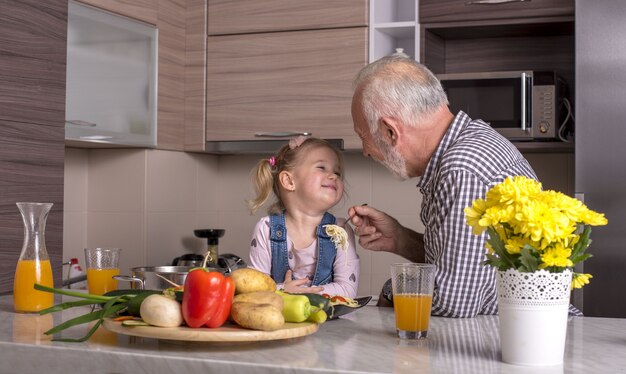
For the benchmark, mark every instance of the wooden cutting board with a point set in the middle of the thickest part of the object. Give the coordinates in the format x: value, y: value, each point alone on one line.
x: 226, y: 333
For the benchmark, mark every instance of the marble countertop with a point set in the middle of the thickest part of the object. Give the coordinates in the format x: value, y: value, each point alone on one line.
x: 362, y: 342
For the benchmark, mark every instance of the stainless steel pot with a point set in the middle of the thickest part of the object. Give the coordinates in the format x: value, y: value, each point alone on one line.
x: 152, y: 277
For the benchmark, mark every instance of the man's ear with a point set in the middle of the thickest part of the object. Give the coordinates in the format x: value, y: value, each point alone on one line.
x: 287, y: 181
x: 390, y: 130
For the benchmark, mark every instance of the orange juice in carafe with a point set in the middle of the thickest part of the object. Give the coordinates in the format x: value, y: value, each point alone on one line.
x: 25, y: 297
x: 33, y: 265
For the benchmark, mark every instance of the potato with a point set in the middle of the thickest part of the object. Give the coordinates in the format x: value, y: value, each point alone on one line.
x: 263, y: 317
x: 261, y: 297
x: 251, y: 280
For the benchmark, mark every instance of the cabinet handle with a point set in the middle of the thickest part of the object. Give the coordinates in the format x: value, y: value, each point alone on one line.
x: 281, y: 134
x: 79, y: 122
x: 494, y: 2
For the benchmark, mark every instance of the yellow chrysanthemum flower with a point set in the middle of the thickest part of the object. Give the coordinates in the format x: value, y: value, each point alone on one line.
x: 579, y: 280
x: 473, y: 214
x: 556, y: 256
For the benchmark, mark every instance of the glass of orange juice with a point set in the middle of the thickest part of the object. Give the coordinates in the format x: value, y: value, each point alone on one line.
x: 102, y: 266
x: 412, y: 286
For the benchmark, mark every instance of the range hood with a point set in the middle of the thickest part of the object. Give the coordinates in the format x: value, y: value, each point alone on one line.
x: 255, y: 146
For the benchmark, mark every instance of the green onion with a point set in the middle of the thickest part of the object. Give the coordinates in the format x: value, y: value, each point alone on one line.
x: 111, y: 305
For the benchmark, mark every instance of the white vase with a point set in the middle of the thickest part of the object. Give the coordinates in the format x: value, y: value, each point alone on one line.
x: 533, y: 310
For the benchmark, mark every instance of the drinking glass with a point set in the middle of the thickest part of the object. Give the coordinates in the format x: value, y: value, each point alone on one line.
x: 412, y: 285
x: 102, y: 266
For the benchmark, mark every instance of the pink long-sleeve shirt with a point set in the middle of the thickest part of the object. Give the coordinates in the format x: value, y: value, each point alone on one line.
x: 302, y: 261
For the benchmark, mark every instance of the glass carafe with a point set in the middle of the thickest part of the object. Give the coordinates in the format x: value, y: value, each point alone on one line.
x: 33, y: 265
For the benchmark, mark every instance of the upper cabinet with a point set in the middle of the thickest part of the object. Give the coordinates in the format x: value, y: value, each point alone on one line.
x: 169, y: 19
x: 271, y: 83
x: 111, y: 78
x: 245, y: 16
x: 481, y: 10
x: 275, y: 68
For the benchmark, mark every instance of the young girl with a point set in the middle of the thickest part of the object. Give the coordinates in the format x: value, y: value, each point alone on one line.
x: 300, y: 245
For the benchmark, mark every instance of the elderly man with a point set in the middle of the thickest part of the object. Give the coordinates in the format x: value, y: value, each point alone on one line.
x: 401, y: 114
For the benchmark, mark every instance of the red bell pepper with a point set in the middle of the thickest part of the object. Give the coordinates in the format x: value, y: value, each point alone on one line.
x: 207, y: 298
x: 226, y: 301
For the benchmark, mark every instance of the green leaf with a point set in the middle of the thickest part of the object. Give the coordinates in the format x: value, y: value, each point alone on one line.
x: 529, y: 261
x: 508, y: 260
x: 583, y: 242
x: 581, y: 258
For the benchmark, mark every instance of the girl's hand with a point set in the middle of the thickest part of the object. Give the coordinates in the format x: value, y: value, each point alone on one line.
x: 297, y: 285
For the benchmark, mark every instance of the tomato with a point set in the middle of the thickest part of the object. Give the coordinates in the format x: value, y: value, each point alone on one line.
x: 336, y: 298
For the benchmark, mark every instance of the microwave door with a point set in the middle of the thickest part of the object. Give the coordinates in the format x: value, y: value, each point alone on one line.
x: 501, y: 100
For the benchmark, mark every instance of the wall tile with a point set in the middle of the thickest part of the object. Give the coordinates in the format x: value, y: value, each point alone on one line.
x: 172, y: 178
x: 208, y: 178
x: 391, y: 195
x: 169, y: 235
x: 239, y: 227
x: 234, y: 186
x: 116, y: 180
x: 75, y: 180
x: 74, y: 236
x: 122, y: 230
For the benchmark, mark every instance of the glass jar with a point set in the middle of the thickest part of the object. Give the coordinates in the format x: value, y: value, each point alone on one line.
x: 33, y: 265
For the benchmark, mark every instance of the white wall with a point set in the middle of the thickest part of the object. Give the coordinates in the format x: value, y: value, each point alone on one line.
x: 148, y: 202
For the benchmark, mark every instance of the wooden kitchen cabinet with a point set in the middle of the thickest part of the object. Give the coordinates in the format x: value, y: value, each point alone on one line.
x: 143, y: 10
x: 499, y: 39
x: 32, y: 111
x: 298, y: 81
x: 481, y: 10
x: 170, y: 18
x: 244, y: 16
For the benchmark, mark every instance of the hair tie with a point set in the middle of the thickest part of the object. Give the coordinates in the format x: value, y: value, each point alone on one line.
x: 272, y: 161
x: 296, y: 142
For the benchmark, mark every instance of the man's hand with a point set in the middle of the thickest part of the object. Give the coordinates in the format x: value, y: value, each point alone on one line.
x: 376, y: 230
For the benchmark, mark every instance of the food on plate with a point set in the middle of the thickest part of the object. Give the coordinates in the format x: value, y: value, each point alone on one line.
x: 162, y: 311
x: 207, y: 298
x: 263, y: 317
x: 341, y: 300
x: 298, y: 308
x: 261, y: 297
x: 251, y: 280
x: 317, y: 300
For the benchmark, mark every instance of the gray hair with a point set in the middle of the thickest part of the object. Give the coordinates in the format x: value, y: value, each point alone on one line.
x: 399, y: 87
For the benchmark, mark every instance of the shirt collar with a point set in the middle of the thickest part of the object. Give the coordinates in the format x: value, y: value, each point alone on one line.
x: 458, y: 124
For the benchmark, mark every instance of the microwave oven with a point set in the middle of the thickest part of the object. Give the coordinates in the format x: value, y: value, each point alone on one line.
x: 520, y: 105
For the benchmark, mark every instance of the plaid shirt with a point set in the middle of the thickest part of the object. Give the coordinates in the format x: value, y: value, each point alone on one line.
x: 471, y: 158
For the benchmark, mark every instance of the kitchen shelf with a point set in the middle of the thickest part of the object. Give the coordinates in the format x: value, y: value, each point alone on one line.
x: 393, y: 24
x: 545, y: 147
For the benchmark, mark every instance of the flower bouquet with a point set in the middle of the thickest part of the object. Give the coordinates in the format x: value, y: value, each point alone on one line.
x: 531, y: 229
x: 535, y: 238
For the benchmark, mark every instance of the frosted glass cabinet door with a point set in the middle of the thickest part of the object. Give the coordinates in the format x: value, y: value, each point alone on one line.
x: 111, y: 78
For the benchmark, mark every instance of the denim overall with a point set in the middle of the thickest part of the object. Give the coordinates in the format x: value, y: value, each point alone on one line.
x: 326, y: 250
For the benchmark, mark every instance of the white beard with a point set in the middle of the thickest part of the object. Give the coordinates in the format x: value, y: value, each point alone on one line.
x: 392, y: 160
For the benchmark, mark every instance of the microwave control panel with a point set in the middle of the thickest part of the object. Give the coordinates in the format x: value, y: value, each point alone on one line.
x: 544, y: 112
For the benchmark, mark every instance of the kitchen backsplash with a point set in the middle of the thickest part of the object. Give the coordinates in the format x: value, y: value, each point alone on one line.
x: 148, y: 202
